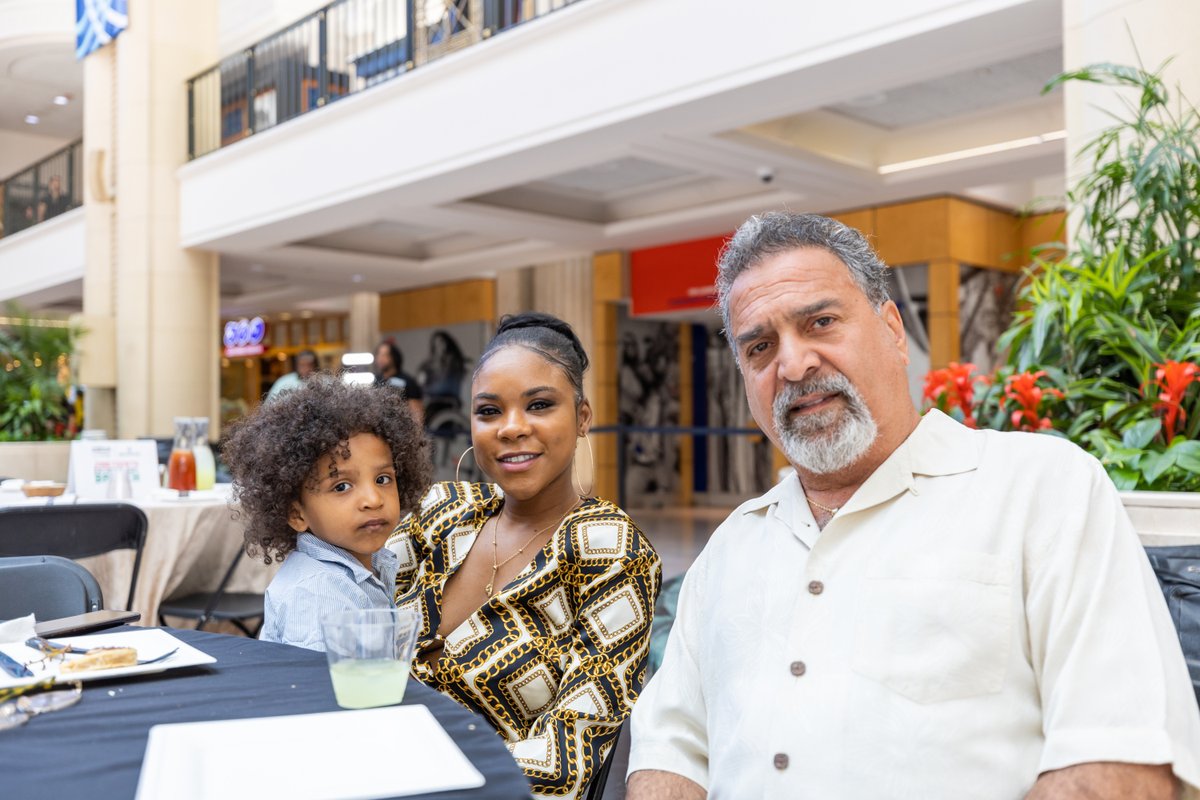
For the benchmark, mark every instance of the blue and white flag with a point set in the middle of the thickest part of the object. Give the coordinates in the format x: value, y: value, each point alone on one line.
x: 97, y: 22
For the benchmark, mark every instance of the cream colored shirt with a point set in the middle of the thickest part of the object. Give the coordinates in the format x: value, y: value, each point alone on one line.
x: 979, y: 612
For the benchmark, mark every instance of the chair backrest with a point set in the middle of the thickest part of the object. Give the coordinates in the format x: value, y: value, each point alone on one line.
x: 1178, y: 572
x: 595, y: 789
x: 75, y: 531
x: 48, y: 587
x: 215, y: 598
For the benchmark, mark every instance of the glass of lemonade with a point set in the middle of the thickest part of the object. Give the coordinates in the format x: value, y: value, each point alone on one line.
x: 369, y: 652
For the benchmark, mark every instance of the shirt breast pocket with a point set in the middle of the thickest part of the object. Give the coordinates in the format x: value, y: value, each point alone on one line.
x: 936, y: 629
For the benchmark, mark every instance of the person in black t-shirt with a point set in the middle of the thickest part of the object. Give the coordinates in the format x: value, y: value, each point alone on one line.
x: 389, y: 371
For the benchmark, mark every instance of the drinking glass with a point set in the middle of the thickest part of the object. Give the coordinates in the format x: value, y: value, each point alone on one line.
x: 369, y: 652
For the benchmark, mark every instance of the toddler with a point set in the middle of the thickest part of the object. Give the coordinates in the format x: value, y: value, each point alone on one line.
x: 322, y: 475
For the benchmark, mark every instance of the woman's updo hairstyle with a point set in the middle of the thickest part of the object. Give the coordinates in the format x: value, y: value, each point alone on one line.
x: 546, y: 335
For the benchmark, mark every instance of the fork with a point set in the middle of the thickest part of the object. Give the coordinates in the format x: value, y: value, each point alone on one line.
x: 46, y: 645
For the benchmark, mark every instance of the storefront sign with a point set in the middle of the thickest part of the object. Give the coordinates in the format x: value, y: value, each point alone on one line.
x: 244, y: 337
x: 674, y: 277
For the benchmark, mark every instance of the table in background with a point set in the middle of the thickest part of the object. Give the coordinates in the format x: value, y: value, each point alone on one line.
x: 94, y: 749
x: 189, y: 543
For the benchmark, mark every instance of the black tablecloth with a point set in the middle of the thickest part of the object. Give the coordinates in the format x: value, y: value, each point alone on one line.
x: 94, y: 749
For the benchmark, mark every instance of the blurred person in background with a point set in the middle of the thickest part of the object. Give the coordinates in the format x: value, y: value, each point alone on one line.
x: 442, y: 374
x: 389, y: 371
x: 306, y: 366
x: 54, y: 200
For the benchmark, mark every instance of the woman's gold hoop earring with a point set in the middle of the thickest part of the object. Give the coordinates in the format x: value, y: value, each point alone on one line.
x: 592, y: 471
x: 458, y: 467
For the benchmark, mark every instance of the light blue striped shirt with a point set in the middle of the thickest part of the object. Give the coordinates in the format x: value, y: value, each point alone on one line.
x: 316, y: 578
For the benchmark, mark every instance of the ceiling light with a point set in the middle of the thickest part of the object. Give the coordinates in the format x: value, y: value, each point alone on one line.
x: 972, y: 152
x: 306, y: 314
x: 357, y: 279
x: 32, y: 119
x: 61, y: 99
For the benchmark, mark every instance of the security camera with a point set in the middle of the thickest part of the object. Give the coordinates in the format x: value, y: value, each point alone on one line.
x: 765, y: 174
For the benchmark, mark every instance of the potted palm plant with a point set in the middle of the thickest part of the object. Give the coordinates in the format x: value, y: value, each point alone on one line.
x: 1105, y: 346
x: 36, y: 418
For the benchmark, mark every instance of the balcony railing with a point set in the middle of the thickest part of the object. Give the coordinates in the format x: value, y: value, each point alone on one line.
x: 345, y: 47
x: 44, y: 190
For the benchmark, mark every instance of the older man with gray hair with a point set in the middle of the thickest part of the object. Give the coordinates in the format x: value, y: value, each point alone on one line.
x: 922, y: 610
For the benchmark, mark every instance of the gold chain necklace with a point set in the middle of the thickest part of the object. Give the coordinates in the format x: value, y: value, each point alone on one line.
x: 496, y: 538
x: 822, y: 506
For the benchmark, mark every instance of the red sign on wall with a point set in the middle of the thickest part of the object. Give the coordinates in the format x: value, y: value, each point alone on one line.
x: 674, y: 277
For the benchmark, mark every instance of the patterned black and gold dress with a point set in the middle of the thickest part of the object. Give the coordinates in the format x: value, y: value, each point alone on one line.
x: 554, y: 661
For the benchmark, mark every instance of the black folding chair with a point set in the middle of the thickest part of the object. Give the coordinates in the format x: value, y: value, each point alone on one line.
x: 76, y: 531
x: 595, y: 790
x: 47, y: 587
x: 1178, y: 571
x: 238, y: 608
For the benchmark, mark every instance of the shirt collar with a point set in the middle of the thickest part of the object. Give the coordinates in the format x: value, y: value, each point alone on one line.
x: 382, y: 561
x: 937, y: 446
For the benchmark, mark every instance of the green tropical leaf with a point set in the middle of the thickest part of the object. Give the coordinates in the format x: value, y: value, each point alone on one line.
x: 1153, y: 465
x: 1125, y: 479
x: 1140, y: 434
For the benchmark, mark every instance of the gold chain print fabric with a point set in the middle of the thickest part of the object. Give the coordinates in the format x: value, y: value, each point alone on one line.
x: 556, y: 660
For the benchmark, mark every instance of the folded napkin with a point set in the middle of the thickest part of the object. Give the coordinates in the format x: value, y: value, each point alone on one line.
x: 17, y: 630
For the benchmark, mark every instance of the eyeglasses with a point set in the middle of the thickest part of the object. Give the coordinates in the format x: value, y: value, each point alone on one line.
x: 15, y: 713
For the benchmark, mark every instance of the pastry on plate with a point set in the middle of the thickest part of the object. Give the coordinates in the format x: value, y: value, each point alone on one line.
x: 101, y: 658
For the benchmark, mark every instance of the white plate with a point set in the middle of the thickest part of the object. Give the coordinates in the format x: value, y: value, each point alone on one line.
x: 149, y: 643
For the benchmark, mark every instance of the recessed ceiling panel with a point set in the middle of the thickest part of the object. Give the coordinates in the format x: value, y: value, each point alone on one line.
x: 612, y: 178
x: 999, y: 84
x: 377, y: 238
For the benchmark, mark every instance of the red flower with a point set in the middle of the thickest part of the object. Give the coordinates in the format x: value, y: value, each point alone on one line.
x: 952, y: 386
x: 1172, y: 379
x: 1023, y: 390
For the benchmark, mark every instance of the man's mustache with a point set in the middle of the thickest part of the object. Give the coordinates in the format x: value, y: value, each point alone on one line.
x: 820, y: 384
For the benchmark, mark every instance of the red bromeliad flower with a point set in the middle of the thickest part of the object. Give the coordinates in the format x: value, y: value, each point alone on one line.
x: 1022, y: 389
x: 1172, y: 379
x: 952, y: 386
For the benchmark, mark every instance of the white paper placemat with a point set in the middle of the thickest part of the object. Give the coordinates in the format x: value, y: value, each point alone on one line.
x: 340, y: 755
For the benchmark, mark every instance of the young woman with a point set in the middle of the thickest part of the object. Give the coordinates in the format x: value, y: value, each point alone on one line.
x: 537, y: 599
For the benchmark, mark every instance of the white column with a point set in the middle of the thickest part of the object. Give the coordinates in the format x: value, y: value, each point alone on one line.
x: 162, y: 300
x: 1124, y: 32
x: 364, y: 322
x: 564, y: 289
x: 514, y: 291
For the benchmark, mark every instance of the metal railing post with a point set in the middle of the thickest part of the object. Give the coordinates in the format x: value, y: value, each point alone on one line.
x: 410, y: 38
x: 322, y: 59
x: 250, y: 92
x: 191, y: 86
x: 621, y: 466
x: 71, y: 176
x: 37, y: 182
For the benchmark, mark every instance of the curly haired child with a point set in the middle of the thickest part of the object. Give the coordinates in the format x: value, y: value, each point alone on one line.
x: 322, y: 475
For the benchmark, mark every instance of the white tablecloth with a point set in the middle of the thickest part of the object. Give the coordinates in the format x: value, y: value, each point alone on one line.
x: 189, y: 543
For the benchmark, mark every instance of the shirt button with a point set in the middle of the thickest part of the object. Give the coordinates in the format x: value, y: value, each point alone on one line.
x: 797, y: 668
x: 781, y: 761
x: 816, y: 587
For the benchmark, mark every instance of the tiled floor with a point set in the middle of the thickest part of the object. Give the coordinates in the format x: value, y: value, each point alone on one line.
x: 678, y: 534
